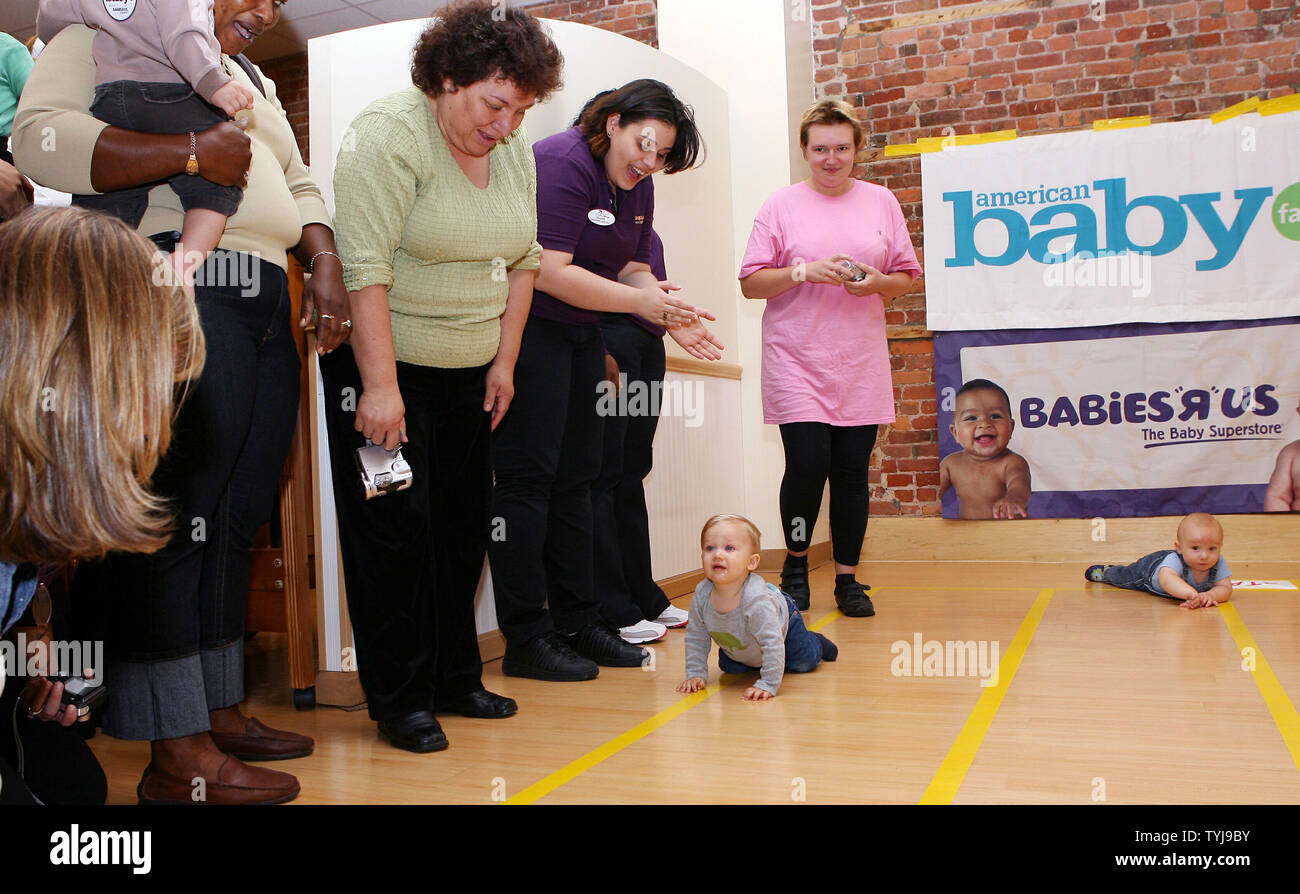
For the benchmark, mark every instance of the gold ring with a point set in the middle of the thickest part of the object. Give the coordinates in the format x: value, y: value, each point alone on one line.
x: 327, y: 316
x: 347, y: 323
x: 665, y: 316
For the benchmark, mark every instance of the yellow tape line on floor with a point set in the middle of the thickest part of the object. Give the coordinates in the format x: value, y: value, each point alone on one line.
x: 1284, y: 713
x: 635, y: 734
x: 948, y: 778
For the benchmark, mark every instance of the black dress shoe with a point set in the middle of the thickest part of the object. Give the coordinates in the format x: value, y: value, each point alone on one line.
x: 794, y: 583
x: 604, y: 646
x: 547, y: 657
x: 480, y: 704
x: 417, y: 731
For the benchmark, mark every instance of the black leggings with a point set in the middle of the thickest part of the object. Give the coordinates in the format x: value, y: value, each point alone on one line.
x: 815, y: 451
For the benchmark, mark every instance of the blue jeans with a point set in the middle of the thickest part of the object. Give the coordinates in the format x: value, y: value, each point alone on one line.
x: 173, y: 621
x: 803, y: 648
x: 1137, y: 576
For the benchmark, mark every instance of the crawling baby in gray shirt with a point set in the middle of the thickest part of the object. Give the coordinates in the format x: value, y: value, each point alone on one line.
x: 756, y: 626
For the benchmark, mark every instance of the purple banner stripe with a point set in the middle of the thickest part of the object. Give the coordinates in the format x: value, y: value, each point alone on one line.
x: 1225, y: 499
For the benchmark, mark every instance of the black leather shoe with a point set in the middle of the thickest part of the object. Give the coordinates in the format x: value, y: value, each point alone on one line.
x: 604, y: 646
x: 480, y: 704
x: 794, y: 582
x: 547, y: 657
x: 853, y: 601
x: 417, y: 731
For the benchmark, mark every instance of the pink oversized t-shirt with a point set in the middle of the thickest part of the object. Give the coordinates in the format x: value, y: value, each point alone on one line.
x: 825, y: 358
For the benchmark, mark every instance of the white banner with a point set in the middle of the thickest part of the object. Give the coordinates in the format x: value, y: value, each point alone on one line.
x: 1192, y: 409
x: 1178, y: 222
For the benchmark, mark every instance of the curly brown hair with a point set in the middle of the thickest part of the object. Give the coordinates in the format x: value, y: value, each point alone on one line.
x: 472, y: 41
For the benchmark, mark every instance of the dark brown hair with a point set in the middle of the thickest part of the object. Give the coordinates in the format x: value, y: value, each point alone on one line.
x: 641, y: 100
x: 472, y: 41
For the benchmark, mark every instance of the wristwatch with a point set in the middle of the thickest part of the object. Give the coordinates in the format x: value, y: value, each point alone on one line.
x: 192, y: 165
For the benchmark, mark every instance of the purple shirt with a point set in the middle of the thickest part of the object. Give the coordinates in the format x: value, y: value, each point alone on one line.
x: 660, y: 271
x: 571, y: 184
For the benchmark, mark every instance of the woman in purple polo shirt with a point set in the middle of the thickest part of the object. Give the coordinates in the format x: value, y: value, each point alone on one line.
x: 595, y: 209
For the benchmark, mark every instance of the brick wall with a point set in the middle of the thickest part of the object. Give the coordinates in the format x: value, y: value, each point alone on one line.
x: 916, y: 67
x: 289, y: 74
x: 631, y: 18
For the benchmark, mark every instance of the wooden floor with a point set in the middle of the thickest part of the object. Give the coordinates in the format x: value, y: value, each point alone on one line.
x: 1117, y: 696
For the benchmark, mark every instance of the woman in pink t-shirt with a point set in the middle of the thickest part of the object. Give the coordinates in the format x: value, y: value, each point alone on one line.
x: 826, y: 253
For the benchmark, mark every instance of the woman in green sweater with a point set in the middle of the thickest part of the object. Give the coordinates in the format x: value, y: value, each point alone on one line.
x: 436, y: 215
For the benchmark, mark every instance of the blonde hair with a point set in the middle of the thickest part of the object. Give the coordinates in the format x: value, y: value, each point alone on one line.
x: 91, y: 350
x: 750, y: 528
x: 831, y: 111
x: 1200, y: 521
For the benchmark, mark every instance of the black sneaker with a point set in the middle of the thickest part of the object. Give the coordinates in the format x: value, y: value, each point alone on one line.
x: 547, y: 657
x: 794, y: 582
x: 604, y: 646
x: 853, y: 601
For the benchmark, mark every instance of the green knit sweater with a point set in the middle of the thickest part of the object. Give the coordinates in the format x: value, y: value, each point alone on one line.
x: 408, y: 218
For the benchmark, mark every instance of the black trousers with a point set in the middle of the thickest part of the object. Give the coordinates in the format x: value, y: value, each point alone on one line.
x: 625, y: 584
x: 546, y: 454
x: 815, y: 452
x: 412, y: 559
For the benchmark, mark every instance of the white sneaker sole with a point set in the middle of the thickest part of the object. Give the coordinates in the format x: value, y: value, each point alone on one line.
x: 674, y: 623
x: 638, y: 634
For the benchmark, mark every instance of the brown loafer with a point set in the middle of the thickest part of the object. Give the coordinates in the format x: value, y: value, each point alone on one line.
x: 261, y: 743
x: 235, y: 783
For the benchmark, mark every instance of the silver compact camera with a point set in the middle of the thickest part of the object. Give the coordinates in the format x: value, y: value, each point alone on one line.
x: 858, y: 274
x: 382, y: 471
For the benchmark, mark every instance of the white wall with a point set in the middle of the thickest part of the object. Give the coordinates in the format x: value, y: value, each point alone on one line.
x: 741, y: 45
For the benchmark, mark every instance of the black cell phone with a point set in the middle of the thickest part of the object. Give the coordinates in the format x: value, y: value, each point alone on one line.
x: 85, y: 695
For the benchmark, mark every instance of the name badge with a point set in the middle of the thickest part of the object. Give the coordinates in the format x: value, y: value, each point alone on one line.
x: 600, y: 217
x: 120, y: 10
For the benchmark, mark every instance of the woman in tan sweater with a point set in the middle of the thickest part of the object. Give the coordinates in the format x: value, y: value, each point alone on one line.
x: 437, y: 221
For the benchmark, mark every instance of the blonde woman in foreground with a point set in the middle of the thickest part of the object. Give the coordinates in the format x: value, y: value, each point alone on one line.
x: 92, y: 352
